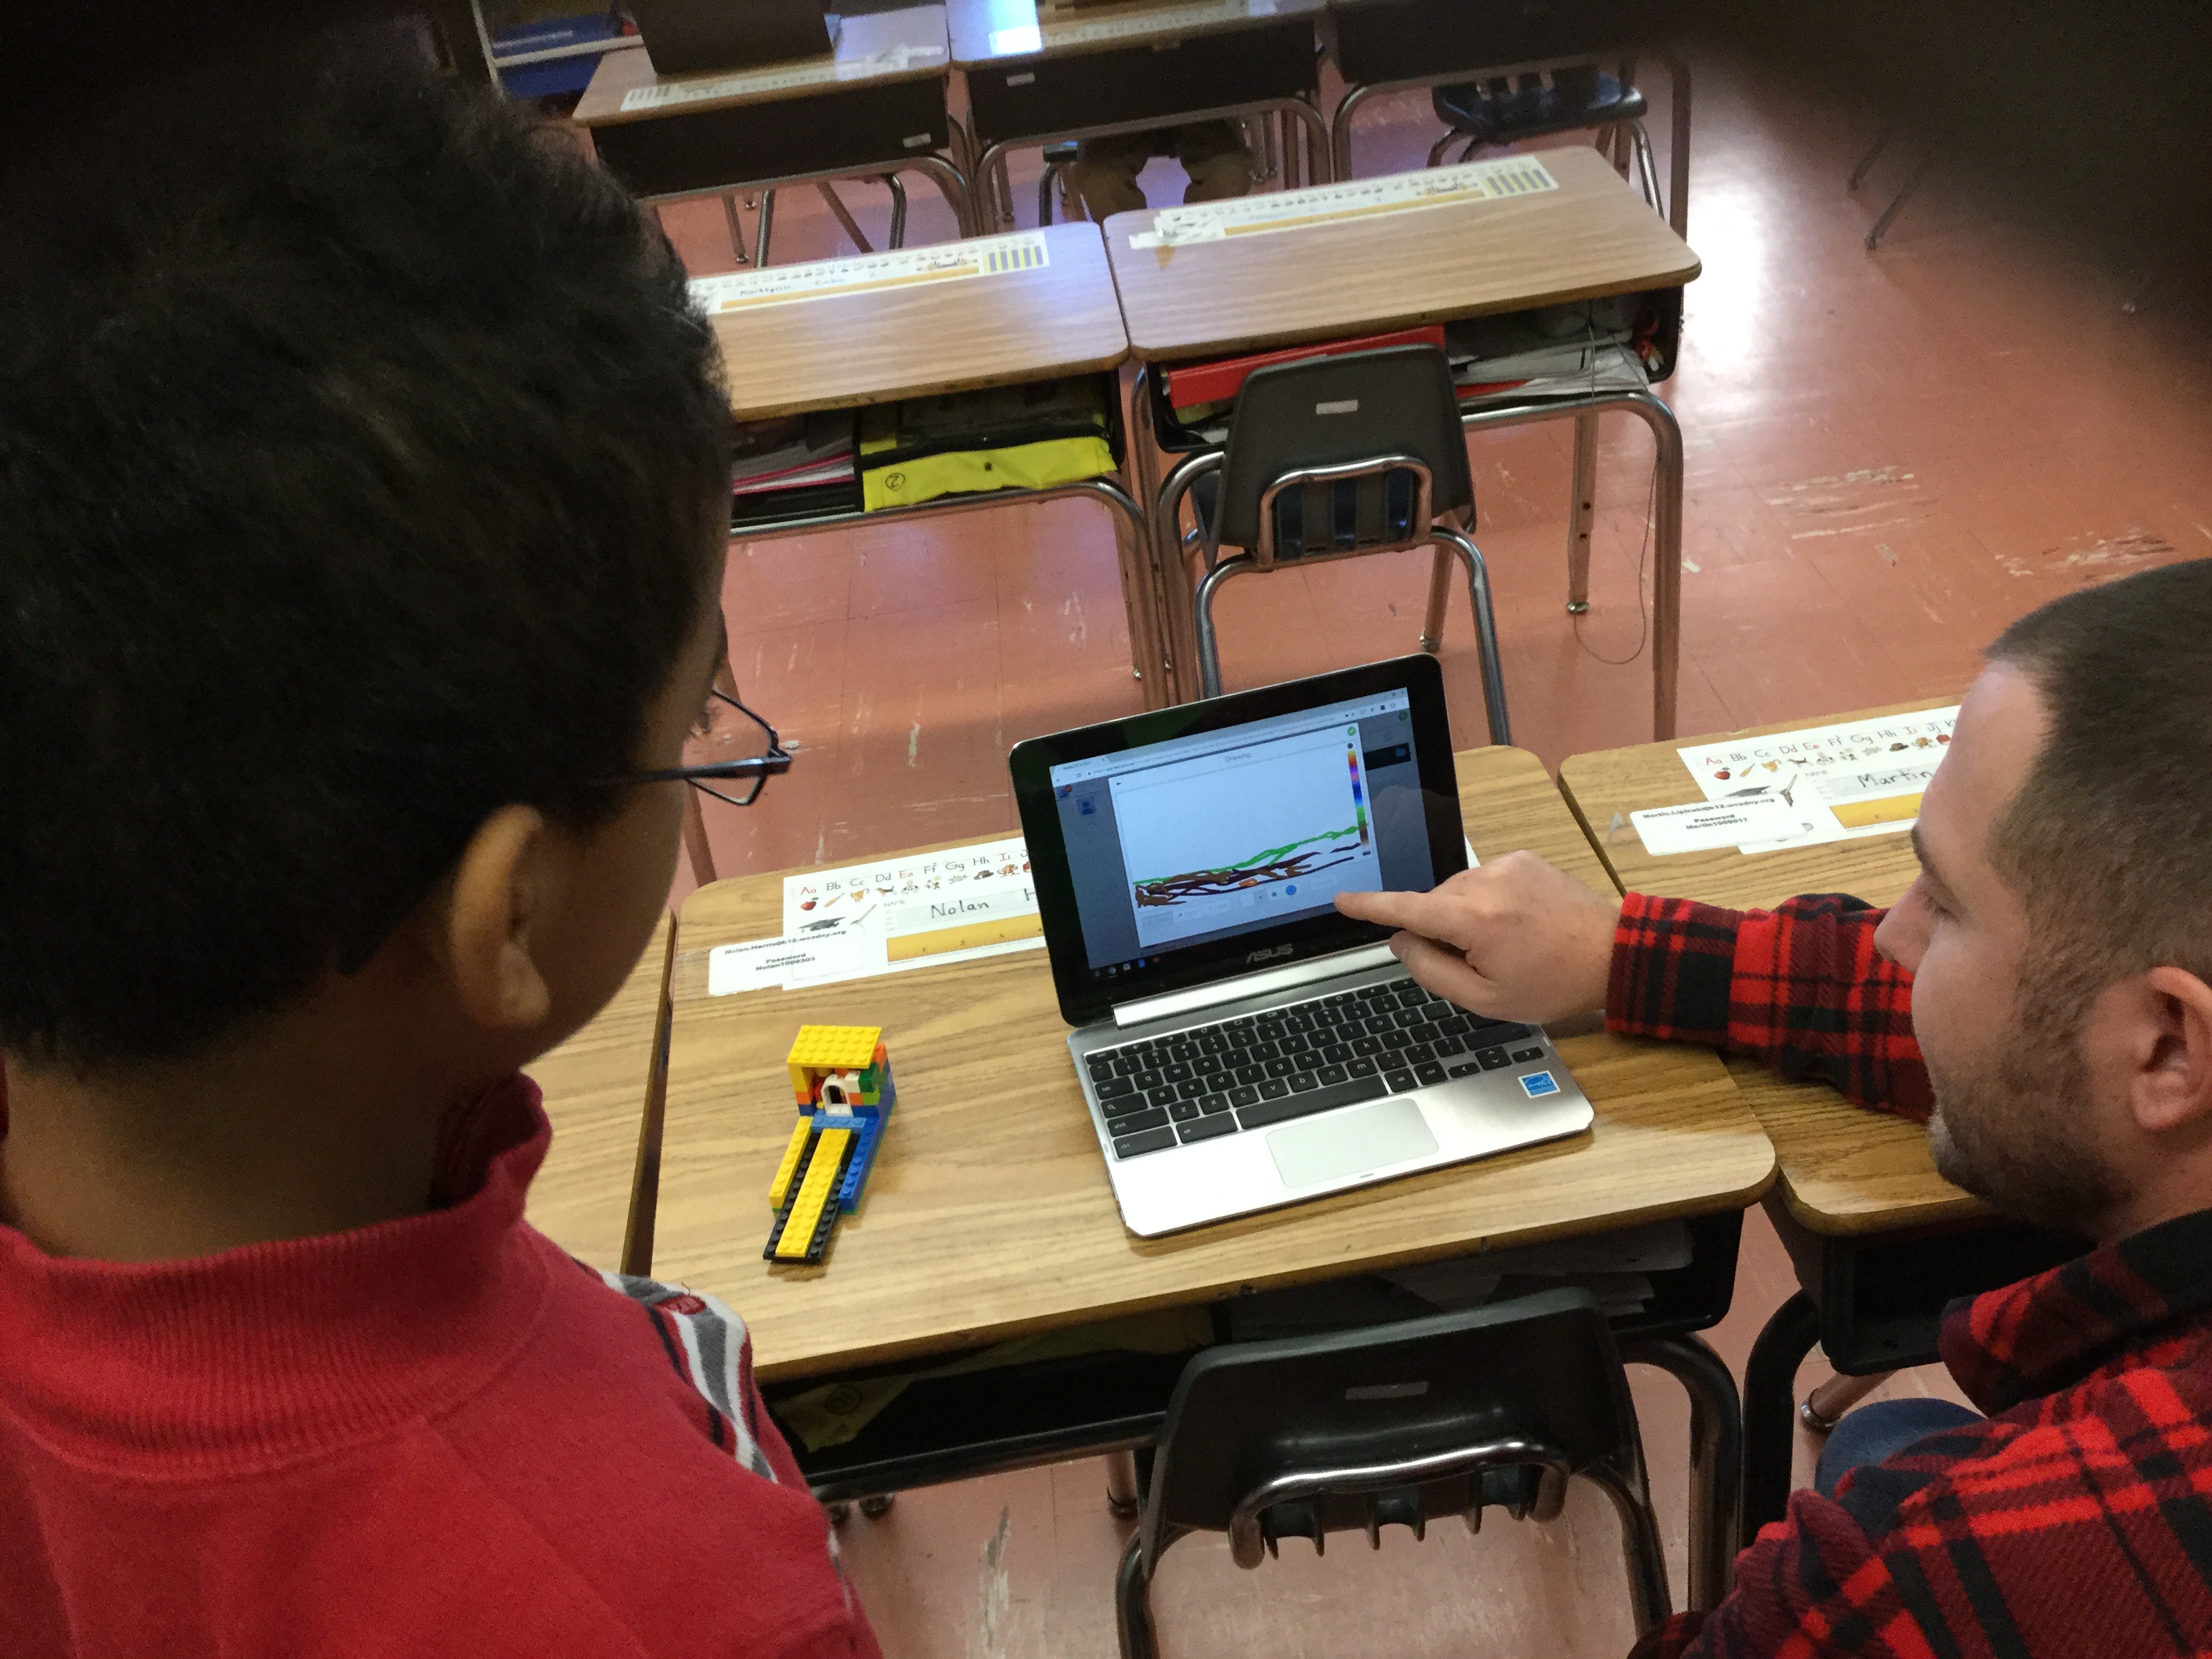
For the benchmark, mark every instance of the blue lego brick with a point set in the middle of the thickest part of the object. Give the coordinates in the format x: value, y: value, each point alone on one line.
x: 857, y: 1167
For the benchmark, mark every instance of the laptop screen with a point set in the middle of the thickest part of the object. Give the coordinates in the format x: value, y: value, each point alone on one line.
x: 1202, y: 841
x: 1229, y: 832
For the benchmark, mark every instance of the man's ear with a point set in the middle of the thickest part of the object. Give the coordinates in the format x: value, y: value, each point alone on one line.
x: 2171, y: 1051
x: 500, y: 895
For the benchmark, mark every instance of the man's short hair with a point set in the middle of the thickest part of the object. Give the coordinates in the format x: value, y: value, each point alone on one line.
x: 2109, y: 842
x: 361, y: 458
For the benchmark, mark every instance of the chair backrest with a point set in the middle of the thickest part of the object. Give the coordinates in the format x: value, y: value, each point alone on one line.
x: 1326, y: 412
x: 1255, y: 1419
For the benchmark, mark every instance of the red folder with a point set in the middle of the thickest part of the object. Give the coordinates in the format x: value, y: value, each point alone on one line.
x: 1216, y: 382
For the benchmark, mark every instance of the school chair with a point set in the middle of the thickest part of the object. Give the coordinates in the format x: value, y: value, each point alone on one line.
x: 1498, y: 111
x: 1334, y: 457
x: 1057, y: 158
x: 1396, y: 1424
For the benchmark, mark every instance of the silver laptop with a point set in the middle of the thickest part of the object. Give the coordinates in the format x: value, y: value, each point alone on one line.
x: 1241, y: 1045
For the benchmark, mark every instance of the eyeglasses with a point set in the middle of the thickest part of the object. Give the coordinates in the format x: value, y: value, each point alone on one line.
x: 705, y: 774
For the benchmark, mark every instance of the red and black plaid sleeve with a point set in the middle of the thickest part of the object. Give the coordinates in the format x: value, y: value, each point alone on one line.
x: 1799, y: 986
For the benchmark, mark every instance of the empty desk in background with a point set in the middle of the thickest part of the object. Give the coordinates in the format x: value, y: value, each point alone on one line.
x: 1879, y: 1241
x: 844, y: 349
x: 593, y: 1194
x: 1403, y: 45
x: 1037, y: 76
x: 1347, y: 275
x: 873, y: 107
x: 989, y: 1216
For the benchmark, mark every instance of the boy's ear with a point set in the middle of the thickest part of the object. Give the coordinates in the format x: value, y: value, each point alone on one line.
x: 500, y: 893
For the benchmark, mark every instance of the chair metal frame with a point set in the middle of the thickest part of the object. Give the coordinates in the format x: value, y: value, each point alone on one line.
x: 1678, y: 158
x: 994, y: 188
x: 1449, y: 540
x: 1647, y: 173
x: 1628, y: 1488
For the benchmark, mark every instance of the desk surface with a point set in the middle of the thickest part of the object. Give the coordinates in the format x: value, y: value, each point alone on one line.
x: 1844, y: 1169
x: 1877, y: 868
x: 1592, y: 236
x: 987, y: 32
x: 990, y: 1215
x: 599, y: 1088
x: 834, y: 350
x: 877, y: 48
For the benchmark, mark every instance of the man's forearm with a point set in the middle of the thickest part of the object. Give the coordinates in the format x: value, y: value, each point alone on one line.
x: 1801, y: 986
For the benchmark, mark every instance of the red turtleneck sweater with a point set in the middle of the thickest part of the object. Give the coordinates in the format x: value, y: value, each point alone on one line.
x: 439, y: 1435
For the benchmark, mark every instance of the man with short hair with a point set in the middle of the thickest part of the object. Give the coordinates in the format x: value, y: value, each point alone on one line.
x: 2045, y: 986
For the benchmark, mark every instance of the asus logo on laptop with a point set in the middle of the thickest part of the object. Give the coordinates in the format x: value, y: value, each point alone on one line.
x: 1269, y: 956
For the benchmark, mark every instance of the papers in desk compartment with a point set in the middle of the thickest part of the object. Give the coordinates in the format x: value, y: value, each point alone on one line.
x: 1856, y: 778
x: 1562, y: 372
x: 1284, y: 210
x: 984, y: 256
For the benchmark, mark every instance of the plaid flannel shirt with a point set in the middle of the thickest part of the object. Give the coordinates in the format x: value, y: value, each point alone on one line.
x: 2077, y: 1519
x: 1800, y: 987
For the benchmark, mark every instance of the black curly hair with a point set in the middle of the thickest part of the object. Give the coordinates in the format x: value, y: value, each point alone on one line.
x: 361, y: 458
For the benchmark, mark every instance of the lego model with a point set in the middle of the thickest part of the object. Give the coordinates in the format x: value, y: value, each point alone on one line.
x: 841, y: 1076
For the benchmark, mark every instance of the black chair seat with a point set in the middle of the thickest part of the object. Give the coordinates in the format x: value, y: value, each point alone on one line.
x: 1591, y: 99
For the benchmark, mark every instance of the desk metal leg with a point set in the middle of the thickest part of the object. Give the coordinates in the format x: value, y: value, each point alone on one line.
x: 1678, y: 148
x: 1666, y: 532
x: 1769, y: 1410
x: 898, y: 210
x: 1824, y: 1407
x: 1320, y: 168
x: 1583, y: 513
x: 843, y: 214
x: 1178, y: 597
x: 737, y: 242
x: 1133, y: 544
x: 1121, y: 1474
x: 1339, y: 128
x: 1715, y: 1455
x: 766, y: 217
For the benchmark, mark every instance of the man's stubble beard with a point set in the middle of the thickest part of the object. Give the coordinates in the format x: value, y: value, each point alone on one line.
x: 2016, y: 1131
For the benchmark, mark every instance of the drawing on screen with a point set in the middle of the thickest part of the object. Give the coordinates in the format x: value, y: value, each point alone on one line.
x: 1298, y: 860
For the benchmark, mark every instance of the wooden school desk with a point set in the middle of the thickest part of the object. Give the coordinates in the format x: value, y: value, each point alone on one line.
x: 1403, y: 45
x: 845, y: 349
x: 1879, y: 1240
x: 1041, y: 74
x: 1351, y: 276
x: 594, y: 1194
x: 990, y: 1217
x: 872, y: 107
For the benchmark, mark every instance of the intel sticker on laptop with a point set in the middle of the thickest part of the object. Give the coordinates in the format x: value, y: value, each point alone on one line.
x: 1537, y: 1084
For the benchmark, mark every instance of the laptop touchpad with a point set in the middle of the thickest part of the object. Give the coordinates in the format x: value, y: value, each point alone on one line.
x: 1347, y: 1144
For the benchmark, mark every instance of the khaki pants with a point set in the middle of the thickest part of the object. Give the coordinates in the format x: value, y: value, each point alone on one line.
x: 1212, y: 152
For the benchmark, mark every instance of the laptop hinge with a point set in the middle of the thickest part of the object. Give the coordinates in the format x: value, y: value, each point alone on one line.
x: 1169, y: 1004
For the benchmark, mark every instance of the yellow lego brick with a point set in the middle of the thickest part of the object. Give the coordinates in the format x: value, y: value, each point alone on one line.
x: 778, y: 1188
x: 829, y: 1049
x: 817, y: 1190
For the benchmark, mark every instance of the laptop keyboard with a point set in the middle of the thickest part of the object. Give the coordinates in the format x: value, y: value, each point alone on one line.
x: 1267, y: 1068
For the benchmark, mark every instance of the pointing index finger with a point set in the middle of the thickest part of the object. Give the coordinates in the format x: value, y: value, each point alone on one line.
x: 1403, y: 910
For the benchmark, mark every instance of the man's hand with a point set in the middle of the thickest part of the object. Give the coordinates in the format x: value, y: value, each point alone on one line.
x: 1515, y: 940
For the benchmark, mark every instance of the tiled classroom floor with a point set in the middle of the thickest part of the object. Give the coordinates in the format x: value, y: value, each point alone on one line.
x: 1889, y: 456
